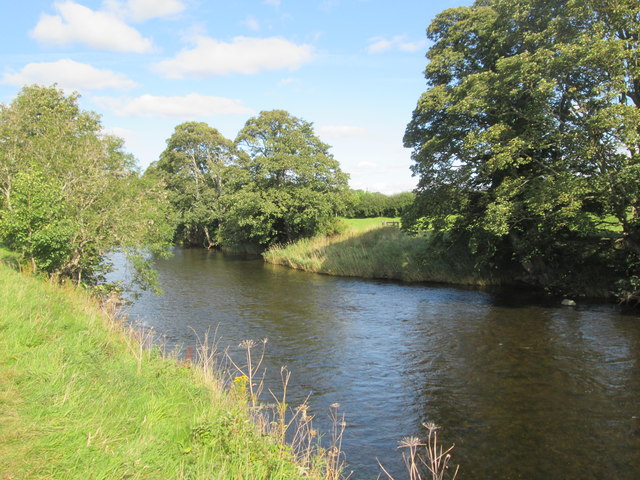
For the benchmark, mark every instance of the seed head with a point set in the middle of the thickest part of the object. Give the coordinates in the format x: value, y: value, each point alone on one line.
x: 409, y: 442
x: 430, y: 426
x: 248, y: 344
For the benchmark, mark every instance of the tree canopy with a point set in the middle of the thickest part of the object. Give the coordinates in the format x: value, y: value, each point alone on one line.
x: 364, y: 204
x: 69, y: 193
x: 194, y: 167
x: 286, y: 187
x: 528, y: 138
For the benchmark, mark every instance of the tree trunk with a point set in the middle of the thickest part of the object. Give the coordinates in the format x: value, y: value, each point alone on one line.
x: 208, y: 244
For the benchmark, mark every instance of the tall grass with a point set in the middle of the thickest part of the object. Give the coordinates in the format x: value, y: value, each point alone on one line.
x: 361, y: 224
x: 80, y: 399
x: 382, y: 252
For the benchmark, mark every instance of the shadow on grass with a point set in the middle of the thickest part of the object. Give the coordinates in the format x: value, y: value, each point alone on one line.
x: 9, y: 258
x: 385, y: 253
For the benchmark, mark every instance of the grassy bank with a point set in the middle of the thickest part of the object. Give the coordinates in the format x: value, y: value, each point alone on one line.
x: 80, y: 399
x: 376, y: 251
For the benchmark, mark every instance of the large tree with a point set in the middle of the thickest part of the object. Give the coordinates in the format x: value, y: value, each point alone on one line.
x: 288, y: 185
x: 528, y: 136
x: 194, y: 166
x: 70, y: 194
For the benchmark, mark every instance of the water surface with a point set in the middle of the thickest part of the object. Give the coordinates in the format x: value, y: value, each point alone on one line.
x: 522, y: 389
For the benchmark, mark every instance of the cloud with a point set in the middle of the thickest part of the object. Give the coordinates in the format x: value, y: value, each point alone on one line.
x: 367, y: 165
x: 187, y: 106
x: 288, y: 81
x: 119, y: 132
x: 274, y: 3
x: 399, y: 43
x: 329, y: 5
x: 341, y: 131
x: 141, y: 10
x: 68, y: 74
x: 252, y: 23
x: 244, y: 55
x: 96, y: 29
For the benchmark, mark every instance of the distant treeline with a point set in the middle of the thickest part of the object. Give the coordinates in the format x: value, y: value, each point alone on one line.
x: 70, y: 194
x: 373, y: 204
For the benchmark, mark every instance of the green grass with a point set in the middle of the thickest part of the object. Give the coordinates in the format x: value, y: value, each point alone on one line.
x: 80, y: 400
x: 381, y: 252
x: 361, y: 224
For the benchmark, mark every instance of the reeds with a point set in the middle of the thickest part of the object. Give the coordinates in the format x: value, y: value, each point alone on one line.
x: 285, y: 424
x: 382, y: 252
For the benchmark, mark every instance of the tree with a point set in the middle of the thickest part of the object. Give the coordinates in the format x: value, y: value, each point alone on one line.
x: 289, y: 186
x: 70, y: 194
x: 528, y: 135
x: 193, y: 167
x: 362, y: 204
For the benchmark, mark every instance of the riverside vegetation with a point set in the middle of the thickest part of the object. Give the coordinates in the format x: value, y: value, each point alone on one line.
x: 82, y: 397
x: 369, y: 249
x: 86, y: 396
x: 527, y: 137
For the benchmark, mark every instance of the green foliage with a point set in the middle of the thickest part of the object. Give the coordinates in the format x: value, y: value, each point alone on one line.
x: 70, y: 194
x: 530, y: 132
x: 36, y: 225
x: 361, y: 224
x: 384, y: 252
x: 289, y: 186
x: 194, y: 167
x: 364, y: 204
x: 80, y: 400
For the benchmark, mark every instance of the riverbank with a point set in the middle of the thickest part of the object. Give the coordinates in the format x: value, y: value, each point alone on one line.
x: 80, y: 398
x: 386, y: 252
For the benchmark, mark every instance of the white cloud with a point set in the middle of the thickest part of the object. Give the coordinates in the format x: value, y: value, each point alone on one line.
x: 275, y: 3
x: 252, y: 24
x: 119, y: 132
x: 96, y: 29
x: 244, y: 55
x: 367, y: 165
x: 68, y: 74
x: 382, y: 44
x: 341, y: 131
x: 288, y: 81
x: 141, y: 10
x: 188, y: 106
x: 328, y: 5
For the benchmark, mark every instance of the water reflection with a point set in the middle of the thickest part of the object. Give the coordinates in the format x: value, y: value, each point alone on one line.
x: 524, y: 391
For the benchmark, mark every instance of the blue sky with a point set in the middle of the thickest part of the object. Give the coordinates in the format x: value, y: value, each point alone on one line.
x: 352, y: 67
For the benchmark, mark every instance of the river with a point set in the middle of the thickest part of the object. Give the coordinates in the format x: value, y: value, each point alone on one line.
x: 524, y: 390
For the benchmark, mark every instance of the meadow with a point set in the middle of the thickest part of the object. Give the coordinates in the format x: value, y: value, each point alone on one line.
x: 84, y: 396
x: 369, y: 248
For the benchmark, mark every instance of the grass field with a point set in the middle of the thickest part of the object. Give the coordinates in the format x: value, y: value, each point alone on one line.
x: 361, y: 224
x: 80, y: 399
x: 370, y: 250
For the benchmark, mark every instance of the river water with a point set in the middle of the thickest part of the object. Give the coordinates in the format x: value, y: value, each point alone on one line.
x: 524, y: 390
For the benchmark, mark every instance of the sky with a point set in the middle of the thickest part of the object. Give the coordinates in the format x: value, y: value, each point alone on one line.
x: 354, y: 68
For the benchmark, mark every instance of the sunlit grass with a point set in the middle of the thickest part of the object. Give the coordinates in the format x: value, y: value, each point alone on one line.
x: 360, y: 224
x: 381, y: 252
x: 79, y: 399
